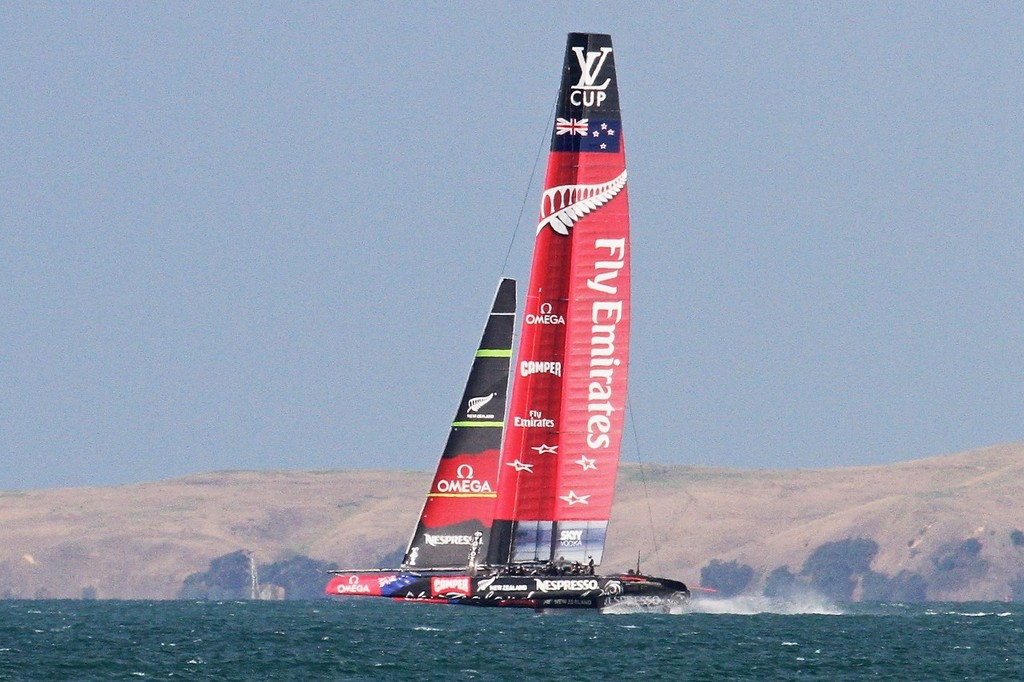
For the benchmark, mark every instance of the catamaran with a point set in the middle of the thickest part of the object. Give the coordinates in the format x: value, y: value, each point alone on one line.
x: 517, y: 512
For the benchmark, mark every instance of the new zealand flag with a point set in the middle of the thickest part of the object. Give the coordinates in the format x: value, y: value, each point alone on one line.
x: 586, y: 135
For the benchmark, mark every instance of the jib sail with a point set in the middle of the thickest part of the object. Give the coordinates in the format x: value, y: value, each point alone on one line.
x: 456, y: 519
x: 559, y: 461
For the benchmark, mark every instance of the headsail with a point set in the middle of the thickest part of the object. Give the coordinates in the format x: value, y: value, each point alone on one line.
x: 560, y: 457
x: 456, y: 518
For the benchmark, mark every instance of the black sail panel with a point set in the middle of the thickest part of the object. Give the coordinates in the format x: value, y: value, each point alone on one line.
x: 456, y: 520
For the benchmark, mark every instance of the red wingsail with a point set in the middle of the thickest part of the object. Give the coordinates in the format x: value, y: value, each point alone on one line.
x: 561, y: 450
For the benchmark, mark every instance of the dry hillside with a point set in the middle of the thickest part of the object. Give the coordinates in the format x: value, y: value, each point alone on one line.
x: 953, y: 520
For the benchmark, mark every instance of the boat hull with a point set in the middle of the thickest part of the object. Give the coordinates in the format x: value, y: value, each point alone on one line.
x: 516, y: 591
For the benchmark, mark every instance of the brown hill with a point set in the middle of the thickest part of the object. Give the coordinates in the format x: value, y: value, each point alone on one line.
x: 952, y: 520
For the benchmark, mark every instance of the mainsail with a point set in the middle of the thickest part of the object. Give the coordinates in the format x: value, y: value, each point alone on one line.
x: 456, y: 518
x: 561, y: 450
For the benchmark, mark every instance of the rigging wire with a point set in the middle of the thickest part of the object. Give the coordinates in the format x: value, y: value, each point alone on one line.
x: 529, y: 184
x: 508, y: 254
x: 643, y: 480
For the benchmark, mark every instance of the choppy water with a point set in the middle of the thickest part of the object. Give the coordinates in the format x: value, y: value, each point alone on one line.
x: 751, y: 639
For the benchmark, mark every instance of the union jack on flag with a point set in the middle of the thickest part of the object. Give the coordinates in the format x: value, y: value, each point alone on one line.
x: 571, y: 126
x: 586, y: 135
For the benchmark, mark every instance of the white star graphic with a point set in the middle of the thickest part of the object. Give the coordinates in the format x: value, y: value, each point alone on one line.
x: 611, y: 132
x: 586, y: 463
x: 519, y: 466
x: 545, y: 449
x: 604, y: 146
x: 604, y: 126
x: 572, y: 498
x: 596, y: 134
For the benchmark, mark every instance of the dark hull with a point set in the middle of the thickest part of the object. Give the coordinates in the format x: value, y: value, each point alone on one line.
x: 515, y: 591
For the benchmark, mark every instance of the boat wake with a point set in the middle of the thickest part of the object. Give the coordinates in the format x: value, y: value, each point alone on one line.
x: 628, y: 609
x: 749, y: 605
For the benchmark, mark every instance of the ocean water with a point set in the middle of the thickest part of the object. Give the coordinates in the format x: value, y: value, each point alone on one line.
x: 367, y: 639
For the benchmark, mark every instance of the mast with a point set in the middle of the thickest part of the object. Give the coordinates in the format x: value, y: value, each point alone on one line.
x: 455, y: 522
x: 561, y: 451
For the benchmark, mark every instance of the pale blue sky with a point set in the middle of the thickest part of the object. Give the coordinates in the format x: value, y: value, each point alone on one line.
x: 240, y: 236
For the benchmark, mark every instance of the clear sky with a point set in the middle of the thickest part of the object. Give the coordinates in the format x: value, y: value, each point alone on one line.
x: 265, y: 236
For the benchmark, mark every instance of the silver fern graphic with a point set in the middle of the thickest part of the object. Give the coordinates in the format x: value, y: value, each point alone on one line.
x: 562, y: 206
x: 475, y: 404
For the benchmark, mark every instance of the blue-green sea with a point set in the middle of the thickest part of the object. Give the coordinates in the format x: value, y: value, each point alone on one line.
x: 365, y: 639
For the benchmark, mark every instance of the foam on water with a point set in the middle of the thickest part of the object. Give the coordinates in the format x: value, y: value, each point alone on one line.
x: 749, y: 605
x: 967, y: 614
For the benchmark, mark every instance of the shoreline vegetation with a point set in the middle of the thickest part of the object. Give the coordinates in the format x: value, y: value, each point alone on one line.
x: 938, y: 529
